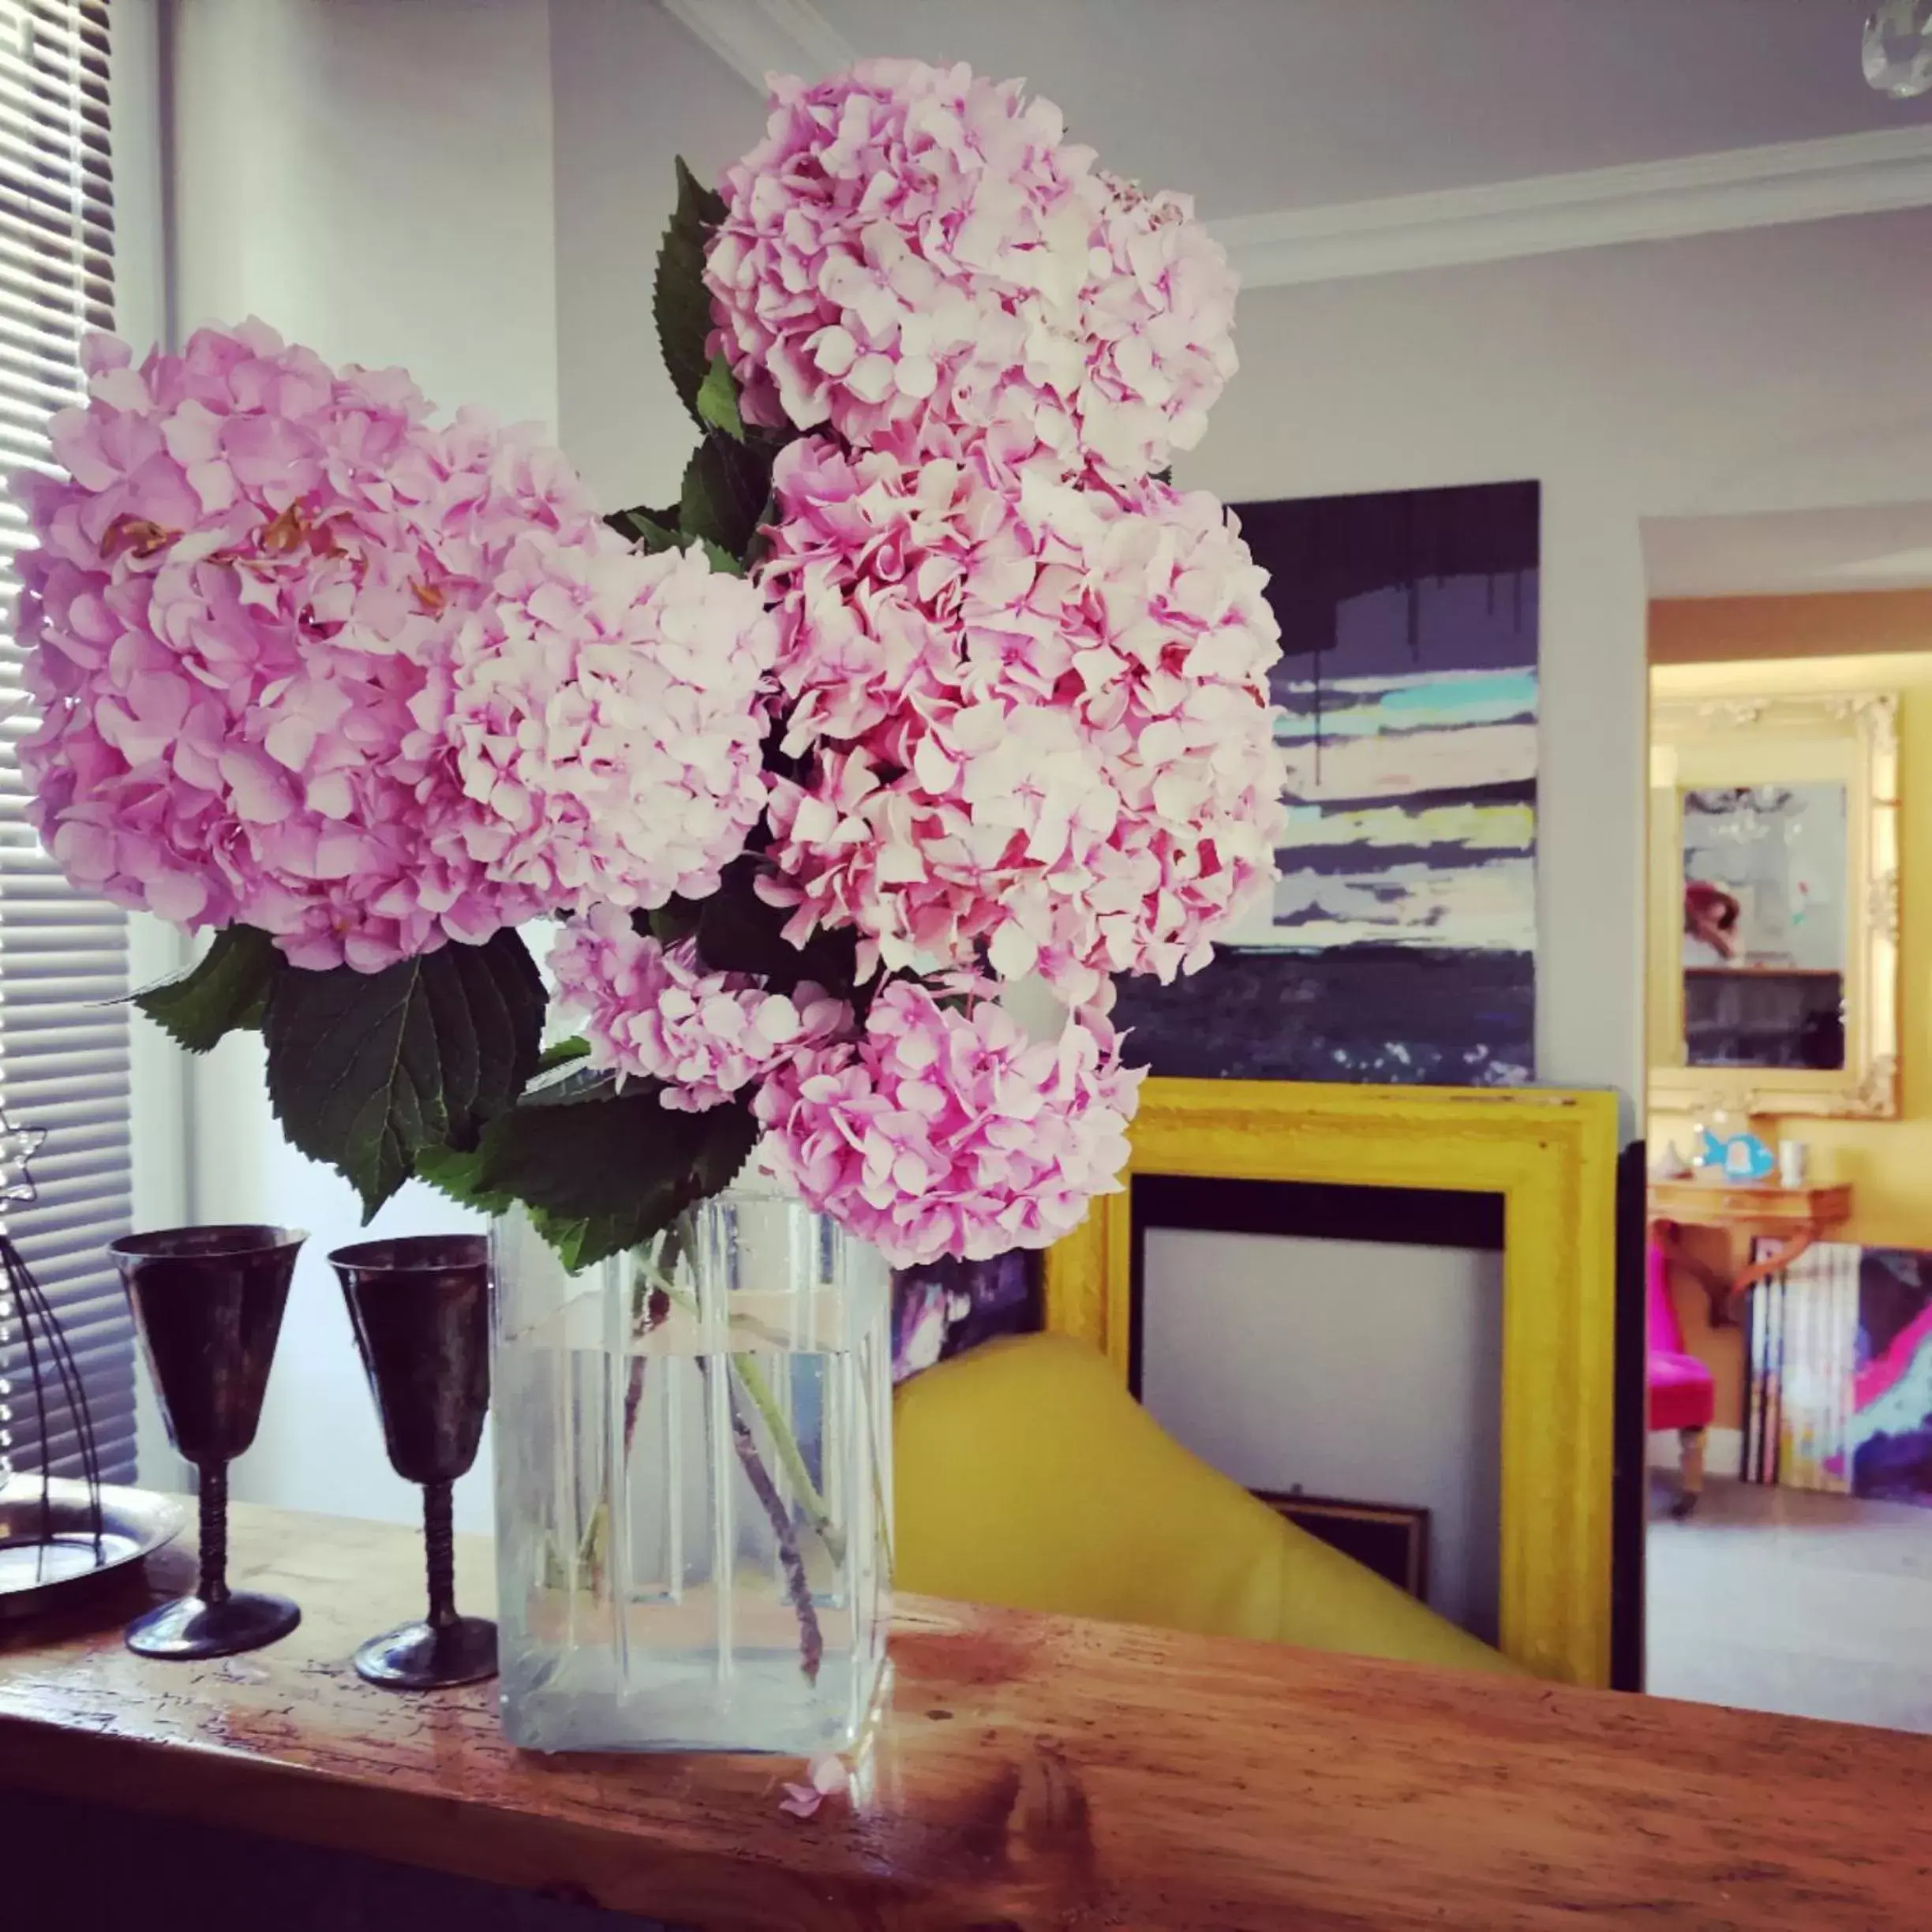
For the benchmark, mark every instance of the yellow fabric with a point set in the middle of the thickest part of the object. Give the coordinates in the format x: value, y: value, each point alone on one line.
x: 1026, y: 1475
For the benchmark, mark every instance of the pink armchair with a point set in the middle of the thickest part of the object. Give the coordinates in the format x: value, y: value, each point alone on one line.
x: 1682, y: 1394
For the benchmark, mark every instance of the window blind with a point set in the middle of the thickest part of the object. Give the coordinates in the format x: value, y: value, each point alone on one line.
x: 63, y: 956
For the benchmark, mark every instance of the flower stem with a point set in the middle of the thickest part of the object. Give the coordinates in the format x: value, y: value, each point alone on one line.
x: 656, y: 1279
x: 797, y: 1586
x: 785, y: 1442
x: 784, y: 1439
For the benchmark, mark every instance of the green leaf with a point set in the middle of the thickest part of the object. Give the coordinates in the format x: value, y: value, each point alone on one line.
x: 566, y: 1085
x: 716, y: 403
x: 648, y: 530
x: 367, y: 1070
x: 601, y: 1168
x: 678, y: 299
x: 224, y: 992
x: 738, y: 932
x: 676, y: 919
x: 561, y: 1053
x: 460, y: 1175
x: 727, y: 486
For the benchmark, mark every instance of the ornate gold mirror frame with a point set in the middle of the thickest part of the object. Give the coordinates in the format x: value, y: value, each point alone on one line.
x: 1552, y: 1157
x: 1846, y: 737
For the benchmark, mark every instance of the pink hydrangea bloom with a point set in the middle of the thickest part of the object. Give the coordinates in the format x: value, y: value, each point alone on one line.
x: 943, y: 1131
x: 1040, y: 717
x: 917, y: 257
x: 898, y: 228
x: 237, y: 591
x: 608, y: 712
x: 654, y: 1011
x: 1157, y: 322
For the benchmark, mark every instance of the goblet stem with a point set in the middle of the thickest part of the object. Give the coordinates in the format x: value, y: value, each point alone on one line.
x: 440, y: 1547
x: 213, y: 1486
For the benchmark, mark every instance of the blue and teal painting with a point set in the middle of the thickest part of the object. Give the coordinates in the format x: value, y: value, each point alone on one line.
x: 1401, y: 943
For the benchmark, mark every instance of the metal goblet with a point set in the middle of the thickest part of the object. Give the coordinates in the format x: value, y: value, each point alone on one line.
x: 207, y: 1303
x: 420, y: 1307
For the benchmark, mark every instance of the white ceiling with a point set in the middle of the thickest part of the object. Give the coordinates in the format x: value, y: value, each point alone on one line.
x: 1791, y: 553
x: 1264, y: 105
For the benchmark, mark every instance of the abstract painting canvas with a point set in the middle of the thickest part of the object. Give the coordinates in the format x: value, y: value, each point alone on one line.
x: 1838, y: 1389
x: 1891, y: 1433
x: 1400, y: 945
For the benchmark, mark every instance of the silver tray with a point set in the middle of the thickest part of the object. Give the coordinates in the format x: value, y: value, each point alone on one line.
x: 36, y: 1576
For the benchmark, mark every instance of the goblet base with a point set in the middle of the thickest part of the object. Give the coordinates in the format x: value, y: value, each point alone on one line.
x: 191, y: 1627
x: 428, y: 1657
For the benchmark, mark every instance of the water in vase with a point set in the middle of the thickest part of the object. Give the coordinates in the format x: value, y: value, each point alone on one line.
x: 693, y: 1478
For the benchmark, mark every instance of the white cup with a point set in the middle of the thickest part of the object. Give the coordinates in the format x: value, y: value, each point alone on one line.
x: 1794, y: 1163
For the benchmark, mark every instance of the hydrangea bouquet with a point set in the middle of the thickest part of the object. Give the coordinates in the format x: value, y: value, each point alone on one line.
x: 928, y: 681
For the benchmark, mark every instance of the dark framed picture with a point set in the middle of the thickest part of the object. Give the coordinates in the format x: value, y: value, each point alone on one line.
x: 1385, y: 1537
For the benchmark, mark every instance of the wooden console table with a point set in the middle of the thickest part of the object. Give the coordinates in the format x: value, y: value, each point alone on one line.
x: 1793, y: 1217
x: 1032, y: 1772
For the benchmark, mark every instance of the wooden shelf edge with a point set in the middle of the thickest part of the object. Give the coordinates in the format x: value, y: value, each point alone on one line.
x: 619, y: 1870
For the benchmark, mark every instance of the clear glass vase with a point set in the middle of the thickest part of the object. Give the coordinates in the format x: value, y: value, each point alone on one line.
x: 694, y: 1484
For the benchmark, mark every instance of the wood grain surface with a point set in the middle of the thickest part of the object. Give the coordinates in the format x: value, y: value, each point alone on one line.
x: 1032, y: 1772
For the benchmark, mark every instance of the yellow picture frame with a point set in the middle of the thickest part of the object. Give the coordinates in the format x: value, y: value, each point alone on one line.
x: 1551, y: 1155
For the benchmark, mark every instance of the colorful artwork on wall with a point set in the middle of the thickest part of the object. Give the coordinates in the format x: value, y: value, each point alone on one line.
x: 1891, y: 1441
x: 948, y: 1306
x: 1401, y: 944
x: 1840, y: 1391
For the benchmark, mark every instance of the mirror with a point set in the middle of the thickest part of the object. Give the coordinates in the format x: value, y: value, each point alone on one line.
x: 1765, y: 925
x: 1775, y: 869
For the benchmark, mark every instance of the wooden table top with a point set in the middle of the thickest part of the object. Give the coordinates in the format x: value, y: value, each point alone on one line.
x: 1033, y: 1771
x: 1746, y: 1203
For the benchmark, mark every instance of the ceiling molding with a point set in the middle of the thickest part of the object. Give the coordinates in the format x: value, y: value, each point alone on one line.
x: 1650, y: 201
x: 1547, y: 214
x: 755, y: 37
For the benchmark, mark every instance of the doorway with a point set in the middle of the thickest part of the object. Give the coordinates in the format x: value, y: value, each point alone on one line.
x: 1789, y: 1250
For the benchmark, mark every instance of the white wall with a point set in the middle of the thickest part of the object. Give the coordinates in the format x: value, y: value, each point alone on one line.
x: 1249, y: 1340
x: 633, y: 92
x: 373, y: 178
